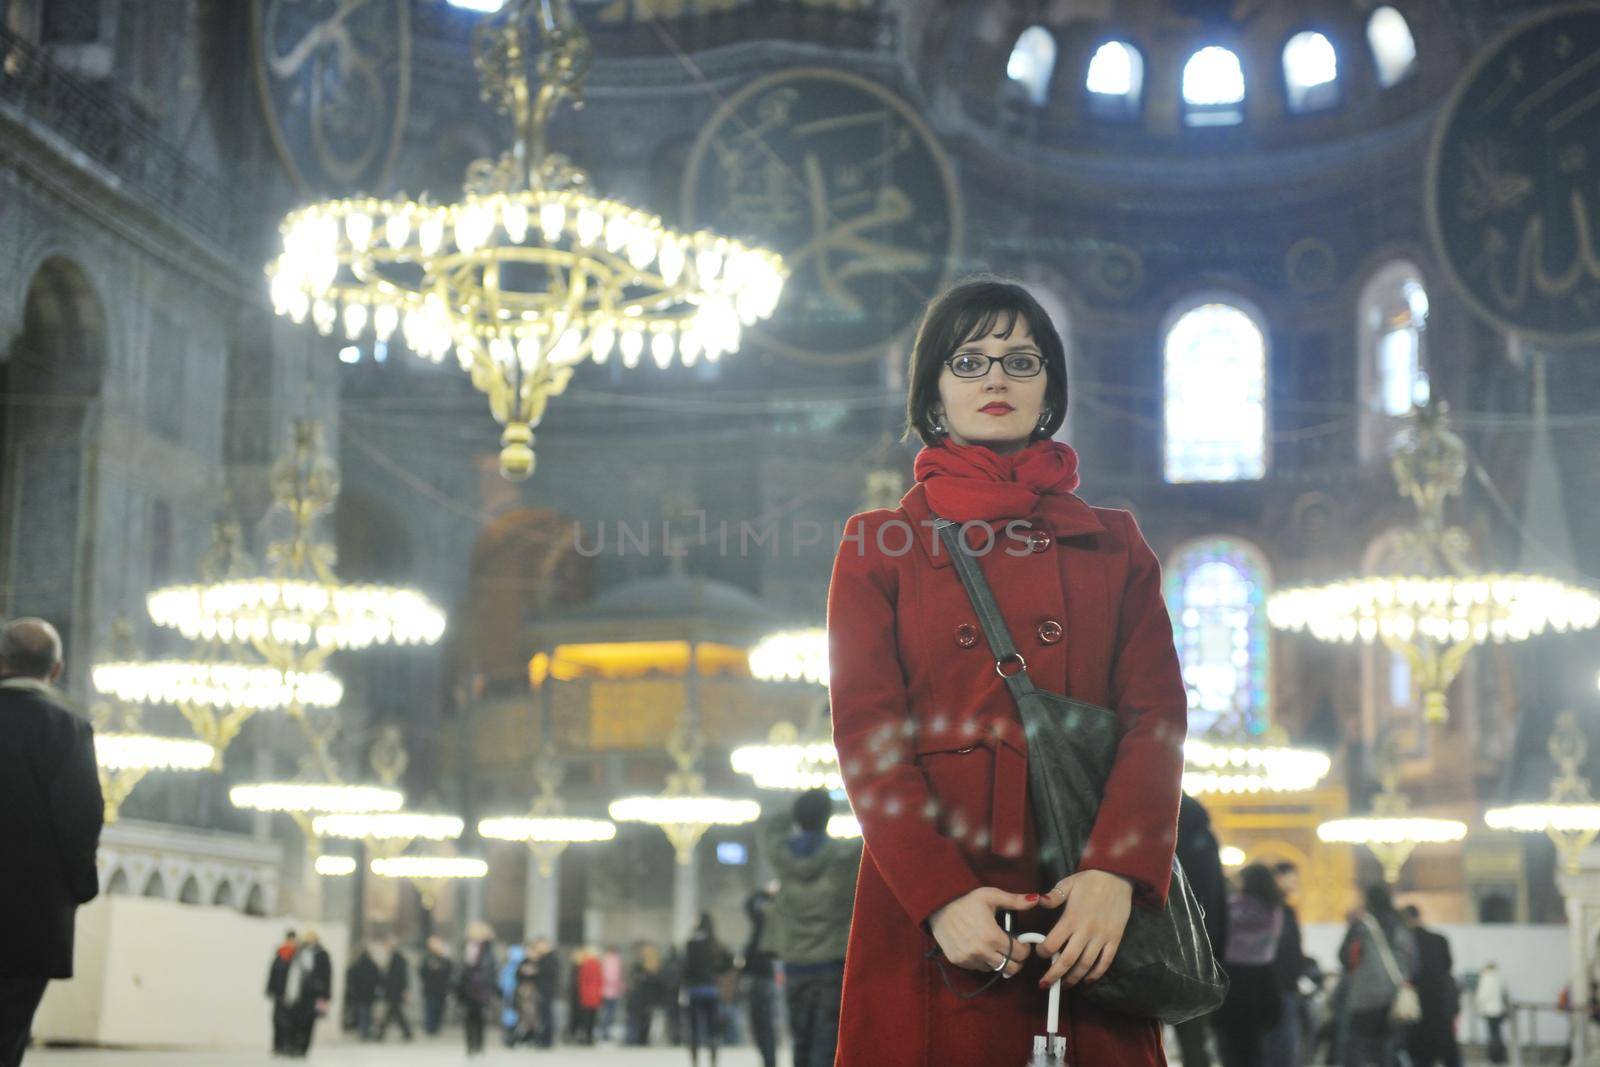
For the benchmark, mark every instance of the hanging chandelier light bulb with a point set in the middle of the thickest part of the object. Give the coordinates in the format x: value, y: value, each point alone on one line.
x: 1571, y: 816
x: 1391, y: 833
x: 329, y: 866
x: 684, y: 810
x: 124, y: 759
x: 430, y: 874
x: 1250, y: 766
x: 1436, y: 616
x: 299, y: 613
x: 792, y: 655
x: 529, y: 273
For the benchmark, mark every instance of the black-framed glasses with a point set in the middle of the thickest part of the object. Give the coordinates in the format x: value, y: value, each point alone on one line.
x: 976, y: 365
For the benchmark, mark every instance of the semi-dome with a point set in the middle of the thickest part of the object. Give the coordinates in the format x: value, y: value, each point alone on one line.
x: 1163, y: 77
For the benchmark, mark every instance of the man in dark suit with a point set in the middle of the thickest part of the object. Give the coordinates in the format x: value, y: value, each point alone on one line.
x: 50, y: 818
x: 1432, y: 1039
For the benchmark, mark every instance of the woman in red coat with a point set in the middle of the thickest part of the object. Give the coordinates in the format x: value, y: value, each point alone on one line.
x: 930, y: 742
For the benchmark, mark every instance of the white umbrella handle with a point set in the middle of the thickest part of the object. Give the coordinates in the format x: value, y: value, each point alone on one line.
x: 1053, y: 1017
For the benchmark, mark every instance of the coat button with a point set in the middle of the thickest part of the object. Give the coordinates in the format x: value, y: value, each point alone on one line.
x: 1049, y: 631
x: 1039, y: 540
x: 966, y: 635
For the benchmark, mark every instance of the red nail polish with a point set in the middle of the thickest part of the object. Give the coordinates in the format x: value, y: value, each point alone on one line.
x: 1032, y: 897
x: 1043, y: 984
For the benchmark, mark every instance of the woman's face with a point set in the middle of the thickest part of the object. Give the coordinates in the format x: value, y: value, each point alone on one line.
x: 995, y: 409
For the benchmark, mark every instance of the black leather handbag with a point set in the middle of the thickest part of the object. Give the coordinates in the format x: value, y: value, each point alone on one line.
x: 1165, y: 967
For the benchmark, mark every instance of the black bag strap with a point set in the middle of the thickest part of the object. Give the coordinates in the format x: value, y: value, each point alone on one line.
x: 988, y: 610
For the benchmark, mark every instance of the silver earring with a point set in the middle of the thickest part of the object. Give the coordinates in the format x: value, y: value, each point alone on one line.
x: 936, y: 426
x: 1044, y: 421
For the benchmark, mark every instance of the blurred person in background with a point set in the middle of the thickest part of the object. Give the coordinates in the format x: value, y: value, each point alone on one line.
x: 547, y: 987
x: 363, y: 980
x: 1369, y: 1037
x: 1254, y: 1003
x: 476, y: 989
x: 307, y: 988
x: 646, y: 993
x: 760, y: 979
x: 1201, y: 855
x: 809, y: 922
x: 438, y: 972
x: 1492, y: 1002
x: 588, y: 993
x: 705, y: 960
x: 396, y: 991
x: 277, y: 981
x: 512, y: 1015
x: 613, y: 986
x: 1432, y: 1040
x: 1286, y: 1039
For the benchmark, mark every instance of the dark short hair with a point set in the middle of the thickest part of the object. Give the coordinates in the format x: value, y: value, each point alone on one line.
x: 1379, y: 902
x: 979, y: 307
x: 1412, y: 912
x: 813, y: 809
x: 1257, y: 881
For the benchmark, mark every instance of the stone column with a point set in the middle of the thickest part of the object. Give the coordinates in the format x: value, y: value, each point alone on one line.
x: 685, y: 899
x: 541, y: 908
x: 1582, y: 894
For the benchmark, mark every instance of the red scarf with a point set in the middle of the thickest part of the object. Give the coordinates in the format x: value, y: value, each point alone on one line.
x: 967, y: 482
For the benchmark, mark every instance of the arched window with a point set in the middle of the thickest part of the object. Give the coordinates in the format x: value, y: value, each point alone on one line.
x: 120, y: 884
x: 222, y: 897
x: 155, y: 886
x: 1033, y: 60
x: 189, y: 892
x: 1216, y: 591
x: 1310, y: 72
x: 1215, y: 370
x: 1115, y: 81
x: 1394, y: 50
x: 1392, y: 348
x: 1213, y: 88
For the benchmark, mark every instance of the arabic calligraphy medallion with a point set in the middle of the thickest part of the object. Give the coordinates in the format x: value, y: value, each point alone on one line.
x: 1514, y: 179
x: 334, y: 78
x: 843, y: 178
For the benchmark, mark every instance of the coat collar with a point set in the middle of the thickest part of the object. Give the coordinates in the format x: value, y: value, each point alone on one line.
x: 1070, y: 517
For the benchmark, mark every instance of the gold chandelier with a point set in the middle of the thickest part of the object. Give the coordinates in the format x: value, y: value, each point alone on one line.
x: 684, y: 811
x: 529, y: 273
x: 299, y: 613
x: 124, y: 753
x: 1391, y: 833
x: 1249, y: 766
x: 1436, y: 616
x: 1571, y: 816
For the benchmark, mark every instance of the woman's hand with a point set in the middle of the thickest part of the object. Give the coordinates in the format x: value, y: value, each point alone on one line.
x: 1090, y: 930
x: 971, y: 937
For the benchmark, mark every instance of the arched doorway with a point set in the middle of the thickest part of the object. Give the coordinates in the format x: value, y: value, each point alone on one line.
x: 50, y: 383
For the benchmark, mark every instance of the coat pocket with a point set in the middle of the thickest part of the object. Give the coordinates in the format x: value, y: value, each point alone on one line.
x: 961, y: 782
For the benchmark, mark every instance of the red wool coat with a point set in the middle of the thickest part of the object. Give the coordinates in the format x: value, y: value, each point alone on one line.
x: 933, y: 757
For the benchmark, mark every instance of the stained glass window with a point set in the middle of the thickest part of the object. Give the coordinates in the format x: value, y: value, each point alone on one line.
x: 1216, y: 386
x: 1393, y: 339
x: 1216, y: 591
